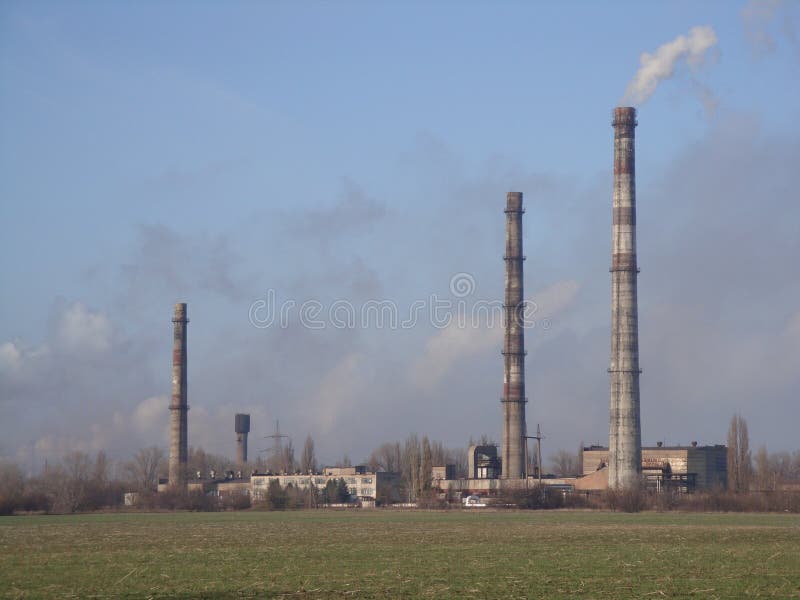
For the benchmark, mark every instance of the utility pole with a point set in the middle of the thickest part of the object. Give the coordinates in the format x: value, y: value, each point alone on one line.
x: 538, y: 437
x: 277, y: 441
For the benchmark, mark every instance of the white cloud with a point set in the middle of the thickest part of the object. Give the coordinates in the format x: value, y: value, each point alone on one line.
x: 10, y: 358
x: 82, y: 330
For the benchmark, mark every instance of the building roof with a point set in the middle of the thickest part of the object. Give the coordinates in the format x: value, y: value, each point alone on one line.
x: 687, y: 447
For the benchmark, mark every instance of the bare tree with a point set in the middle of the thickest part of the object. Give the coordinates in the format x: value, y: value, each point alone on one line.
x: 287, y: 464
x: 411, y: 465
x: 564, y: 463
x: 794, y: 470
x: 773, y: 469
x: 394, y: 457
x: 68, y: 483
x: 143, y: 470
x: 387, y: 457
x: 308, y: 460
x: 205, y: 462
x: 458, y: 457
x: 739, y: 465
x: 425, y: 465
x: 763, y: 476
x: 12, y: 483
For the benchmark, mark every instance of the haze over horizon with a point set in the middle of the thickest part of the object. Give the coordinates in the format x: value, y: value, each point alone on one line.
x: 361, y: 153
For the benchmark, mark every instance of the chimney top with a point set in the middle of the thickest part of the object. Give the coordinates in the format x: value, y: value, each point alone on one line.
x: 624, y: 116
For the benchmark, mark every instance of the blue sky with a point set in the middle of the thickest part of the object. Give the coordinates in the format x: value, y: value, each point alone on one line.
x: 157, y: 152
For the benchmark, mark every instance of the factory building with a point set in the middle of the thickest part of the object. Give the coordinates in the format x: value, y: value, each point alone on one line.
x: 685, y: 468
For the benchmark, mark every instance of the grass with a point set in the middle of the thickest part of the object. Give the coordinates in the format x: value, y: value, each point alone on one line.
x: 374, y: 554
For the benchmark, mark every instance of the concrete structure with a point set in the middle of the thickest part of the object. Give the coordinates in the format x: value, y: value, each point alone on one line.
x: 179, y: 407
x: 440, y: 473
x: 625, y: 438
x: 242, y: 427
x: 686, y: 468
x: 514, y: 458
x: 482, y: 462
x: 216, y: 484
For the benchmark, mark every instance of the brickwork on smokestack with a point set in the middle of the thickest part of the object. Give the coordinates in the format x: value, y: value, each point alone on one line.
x: 179, y: 408
x: 513, y: 451
x: 242, y: 428
x: 625, y: 436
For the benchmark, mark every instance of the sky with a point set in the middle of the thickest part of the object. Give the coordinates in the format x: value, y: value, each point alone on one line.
x: 311, y: 160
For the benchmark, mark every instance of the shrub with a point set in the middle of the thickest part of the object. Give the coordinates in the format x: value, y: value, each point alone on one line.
x: 237, y: 501
x: 431, y: 499
x: 277, y: 497
x: 536, y: 497
x: 633, y: 499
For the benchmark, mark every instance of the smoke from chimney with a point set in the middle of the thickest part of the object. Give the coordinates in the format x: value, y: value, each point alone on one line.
x: 661, y: 65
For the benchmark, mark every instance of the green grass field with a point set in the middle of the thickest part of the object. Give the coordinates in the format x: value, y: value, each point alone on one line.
x: 374, y: 554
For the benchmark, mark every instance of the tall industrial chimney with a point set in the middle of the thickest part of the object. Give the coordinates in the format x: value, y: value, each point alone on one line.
x: 178, y: 421
x: 514, y: 400
x: 242, y: 427
x: 625, y: 434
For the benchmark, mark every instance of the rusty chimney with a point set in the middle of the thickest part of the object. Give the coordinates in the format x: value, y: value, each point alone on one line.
x: 514, y: 432
x: 178, y: 418
x: 625, y: 435
x: 242, y: 428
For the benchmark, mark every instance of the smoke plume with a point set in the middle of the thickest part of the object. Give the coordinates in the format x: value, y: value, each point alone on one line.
x: 661, y: 65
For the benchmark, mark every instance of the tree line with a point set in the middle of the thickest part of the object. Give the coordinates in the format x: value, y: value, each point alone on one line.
x: 83, y: 482
x: 766, y: 471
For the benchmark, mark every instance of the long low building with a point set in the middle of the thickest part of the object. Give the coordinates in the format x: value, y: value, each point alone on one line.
x: 363, y: 485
